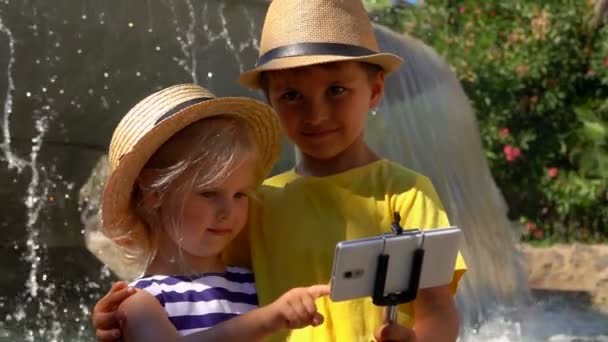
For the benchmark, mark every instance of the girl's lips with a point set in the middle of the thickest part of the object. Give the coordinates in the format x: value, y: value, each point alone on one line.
x: 219, y: 231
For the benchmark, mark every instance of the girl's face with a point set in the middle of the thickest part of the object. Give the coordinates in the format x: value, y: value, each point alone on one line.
x: 213, y: 216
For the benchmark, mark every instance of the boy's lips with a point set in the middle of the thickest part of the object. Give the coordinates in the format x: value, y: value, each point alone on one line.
x: 318, y: 133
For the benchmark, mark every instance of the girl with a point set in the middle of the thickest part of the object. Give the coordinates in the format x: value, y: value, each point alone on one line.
x: 184, y: 166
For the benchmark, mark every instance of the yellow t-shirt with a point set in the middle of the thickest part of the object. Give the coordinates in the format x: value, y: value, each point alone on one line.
x: 293, y: 235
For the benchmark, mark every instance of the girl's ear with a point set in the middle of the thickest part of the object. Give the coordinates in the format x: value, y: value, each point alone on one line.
x: 377, y: 85
x: 144, y: 182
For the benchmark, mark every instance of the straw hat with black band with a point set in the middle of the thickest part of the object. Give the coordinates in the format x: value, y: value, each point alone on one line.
x: 151, y: 123
x: 299, y: 33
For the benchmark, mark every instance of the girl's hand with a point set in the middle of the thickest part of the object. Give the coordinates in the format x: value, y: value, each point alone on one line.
x: 107, y: 320
x: 296, y: 309
x: 394, y: 332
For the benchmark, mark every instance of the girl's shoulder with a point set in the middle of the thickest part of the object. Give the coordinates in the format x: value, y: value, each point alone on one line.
x: 231, y: 279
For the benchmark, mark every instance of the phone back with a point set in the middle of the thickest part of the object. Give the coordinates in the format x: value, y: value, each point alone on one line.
x: 355, y: 262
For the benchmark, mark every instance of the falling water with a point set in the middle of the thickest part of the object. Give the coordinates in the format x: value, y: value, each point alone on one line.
x: 433, y: 130
x: 72, y: 70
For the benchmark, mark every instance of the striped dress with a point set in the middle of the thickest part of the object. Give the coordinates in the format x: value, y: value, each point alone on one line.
x: 197, y: 302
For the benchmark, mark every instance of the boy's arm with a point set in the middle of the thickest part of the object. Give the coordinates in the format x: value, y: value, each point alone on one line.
x: 436, y: 315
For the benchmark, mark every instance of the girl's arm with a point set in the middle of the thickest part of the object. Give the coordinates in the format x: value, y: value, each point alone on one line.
x: 146, y: 320
x: 295, y: 309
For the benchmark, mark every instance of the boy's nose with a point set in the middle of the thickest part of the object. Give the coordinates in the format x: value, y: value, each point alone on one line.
x: 318, y: 112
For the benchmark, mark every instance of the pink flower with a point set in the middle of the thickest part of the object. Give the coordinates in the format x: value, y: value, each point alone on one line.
x: 538, y: 233
x: 605, y: 62
x: 516, y: 152
x: 462, y: 10
x: 552, y: 172
x: 511, y: 153
x: 530, y: 226
x: 503, y: 133
x: 590, y: 72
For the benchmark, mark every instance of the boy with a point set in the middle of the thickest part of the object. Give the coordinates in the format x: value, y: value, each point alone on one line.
x: 320, y: 69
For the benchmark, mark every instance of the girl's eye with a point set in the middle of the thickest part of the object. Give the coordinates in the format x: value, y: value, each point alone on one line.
x: 208, y: 194
x: 336, y: 90
x: 291, y: 96
x: 240, y: 195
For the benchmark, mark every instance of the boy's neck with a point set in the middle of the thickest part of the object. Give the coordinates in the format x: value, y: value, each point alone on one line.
x: 357, y: 155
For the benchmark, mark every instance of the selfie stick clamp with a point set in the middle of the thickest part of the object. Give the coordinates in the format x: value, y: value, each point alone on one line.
x: 391, y: 300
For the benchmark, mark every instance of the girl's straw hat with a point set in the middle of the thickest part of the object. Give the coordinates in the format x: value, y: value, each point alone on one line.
x: 299, y: 33
x: 153, y: 121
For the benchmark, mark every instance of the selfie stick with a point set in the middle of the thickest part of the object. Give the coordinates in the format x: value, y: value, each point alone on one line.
x: 393, y: 299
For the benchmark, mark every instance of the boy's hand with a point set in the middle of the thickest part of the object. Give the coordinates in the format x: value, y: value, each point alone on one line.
x: 107, y: 320
x: 395, y: 333
x: 296, y: 308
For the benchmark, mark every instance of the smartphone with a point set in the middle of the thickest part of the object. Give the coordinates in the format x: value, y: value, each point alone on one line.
x: 355, y: 261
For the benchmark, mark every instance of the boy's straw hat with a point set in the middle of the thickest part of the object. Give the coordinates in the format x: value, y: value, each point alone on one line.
x: 299, y: 33
x: 153, y: 121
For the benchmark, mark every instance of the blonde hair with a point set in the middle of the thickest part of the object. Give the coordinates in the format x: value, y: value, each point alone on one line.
x: 197, y: 157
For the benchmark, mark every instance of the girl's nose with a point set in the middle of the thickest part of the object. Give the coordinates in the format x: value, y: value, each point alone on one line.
x: 223, y: 209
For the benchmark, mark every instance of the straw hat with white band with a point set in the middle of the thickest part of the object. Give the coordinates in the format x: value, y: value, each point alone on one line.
x: 300, y: 33
x: 152, y: 122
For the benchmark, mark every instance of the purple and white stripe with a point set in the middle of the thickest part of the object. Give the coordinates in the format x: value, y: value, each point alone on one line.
x: 195, y: 303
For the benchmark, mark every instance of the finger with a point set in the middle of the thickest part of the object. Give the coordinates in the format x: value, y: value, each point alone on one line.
x: 308, y: 302
x: 319, y: 290
x: 290, y: 316
x: 121, y: 317
x: 116, y: 298
x: 394, y: 332
x: 302, y: 318
x: 106, y: 301
x: 108, y: 335
x: 105, y: 321
x: 317, y: 320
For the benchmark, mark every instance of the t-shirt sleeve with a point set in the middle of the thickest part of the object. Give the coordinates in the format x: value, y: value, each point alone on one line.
x: 422, y: 208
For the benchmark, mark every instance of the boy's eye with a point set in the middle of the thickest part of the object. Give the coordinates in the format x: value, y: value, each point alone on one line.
x: 336, y: 90
x: 291, y: 95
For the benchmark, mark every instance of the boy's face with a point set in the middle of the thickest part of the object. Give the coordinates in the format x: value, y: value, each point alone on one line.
x: 323, y: 108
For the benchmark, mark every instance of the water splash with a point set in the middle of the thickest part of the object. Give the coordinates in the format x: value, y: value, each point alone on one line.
x: 557, y: 319
x: 187, y: 40
x: 253, y: 42
x: 34, y: 202
x: 14, y: 162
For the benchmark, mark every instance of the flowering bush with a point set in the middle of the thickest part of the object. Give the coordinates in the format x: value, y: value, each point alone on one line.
x: 537, y: 75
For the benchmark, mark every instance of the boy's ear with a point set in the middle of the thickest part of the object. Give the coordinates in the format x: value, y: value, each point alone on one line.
x: 377, y: 85
x: 144, y: 181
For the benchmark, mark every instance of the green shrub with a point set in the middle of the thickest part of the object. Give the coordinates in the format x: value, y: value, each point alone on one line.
x: 536, y: 73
